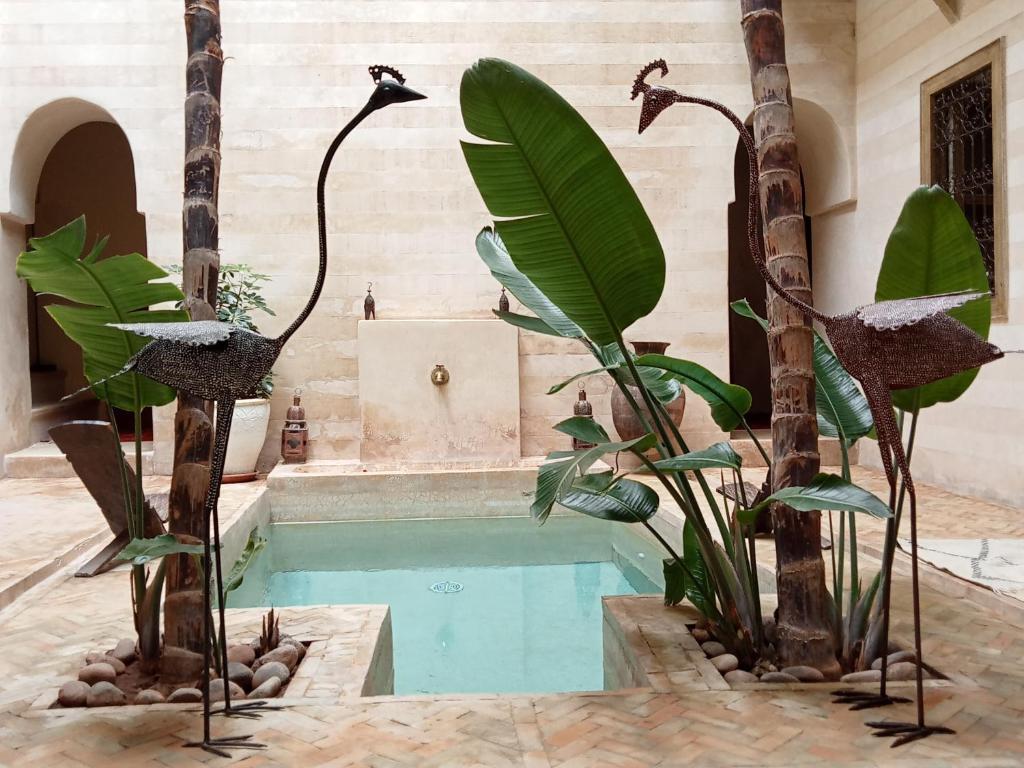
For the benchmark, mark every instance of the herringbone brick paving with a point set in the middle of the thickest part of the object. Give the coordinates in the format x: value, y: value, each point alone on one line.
x: 43, y: 637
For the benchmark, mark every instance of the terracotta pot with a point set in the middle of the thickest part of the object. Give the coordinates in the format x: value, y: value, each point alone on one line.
x: 627, y: 425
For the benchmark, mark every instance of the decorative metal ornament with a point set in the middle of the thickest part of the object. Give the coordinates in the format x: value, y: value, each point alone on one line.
x: 439, y: 376
x: 369, y: 305
x: 295, y: 434
x: 503, y: 305
x: 220, y: 362
x: 888, y: 345
x: 584, y: 409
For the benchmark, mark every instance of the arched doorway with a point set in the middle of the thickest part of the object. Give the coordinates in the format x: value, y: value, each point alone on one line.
x: 748, y: 349
x: 90, y: 171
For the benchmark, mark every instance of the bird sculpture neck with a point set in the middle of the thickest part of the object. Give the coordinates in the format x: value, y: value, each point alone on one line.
x: 754, y: 210
x: 321, y: 215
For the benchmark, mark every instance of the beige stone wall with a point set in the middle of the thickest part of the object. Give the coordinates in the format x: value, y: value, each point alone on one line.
x: 972, y: 445
x: 403, y: 210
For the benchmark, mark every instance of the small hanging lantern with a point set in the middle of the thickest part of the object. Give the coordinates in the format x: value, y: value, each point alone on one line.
x: 503, y: 301
x: 582, y: 407
x: 369, y: 305
x: 295, y: 435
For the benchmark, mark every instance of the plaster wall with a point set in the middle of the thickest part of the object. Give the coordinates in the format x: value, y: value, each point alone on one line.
x: 403, y: 211
x: 972, y: 445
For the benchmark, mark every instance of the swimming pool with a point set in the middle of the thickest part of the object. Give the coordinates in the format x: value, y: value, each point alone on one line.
x: 479, y: 605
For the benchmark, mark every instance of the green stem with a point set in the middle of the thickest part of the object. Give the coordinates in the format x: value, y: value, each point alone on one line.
x: 755, y: 586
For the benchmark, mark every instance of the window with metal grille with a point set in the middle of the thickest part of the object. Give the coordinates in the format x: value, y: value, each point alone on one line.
x: 963, y: 151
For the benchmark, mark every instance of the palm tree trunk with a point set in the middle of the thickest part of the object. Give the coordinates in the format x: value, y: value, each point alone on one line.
x: 193, y: 422
x: 805, y: 635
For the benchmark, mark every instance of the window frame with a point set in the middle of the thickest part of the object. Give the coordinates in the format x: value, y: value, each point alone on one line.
x: 992, y: 55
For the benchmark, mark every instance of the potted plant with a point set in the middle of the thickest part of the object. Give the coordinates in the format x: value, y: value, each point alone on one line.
x: 239, y: 295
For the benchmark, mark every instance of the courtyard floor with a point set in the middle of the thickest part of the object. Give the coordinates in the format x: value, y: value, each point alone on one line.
x: 972, y: 635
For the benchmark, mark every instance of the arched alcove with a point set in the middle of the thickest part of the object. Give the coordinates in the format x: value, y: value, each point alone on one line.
x: 70, y: 158
x: 824, y: 159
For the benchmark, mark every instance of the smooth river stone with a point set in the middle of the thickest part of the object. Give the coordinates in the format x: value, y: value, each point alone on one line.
x: 124, y: 651
x: 240, y: 674
x: 269, y: 670
x: 149, y: 696
x: 73, y: 693
x: 294, y: 644
x: 740, y: 676
x: 284, y: 654
x: 713, y: 648
x: 105, y: 658
x: 895, y: 658
x: 185, y: 696
x: 104, y: 694
x: 901, y: 670
x: 864, y: 676
x: 100, y: 672
x: 242, y: 654
x: 725, y: 662
x: 805, y: 674
x: 778, y: 677
x: 268, y: 690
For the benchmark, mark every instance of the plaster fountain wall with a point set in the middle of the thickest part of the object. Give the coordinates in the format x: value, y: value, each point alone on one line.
x: 407, y: 419
x: 427, y: 450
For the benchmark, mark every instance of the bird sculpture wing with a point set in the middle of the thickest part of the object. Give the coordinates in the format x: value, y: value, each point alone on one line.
x: 899, y: 313
x: 201, y: 333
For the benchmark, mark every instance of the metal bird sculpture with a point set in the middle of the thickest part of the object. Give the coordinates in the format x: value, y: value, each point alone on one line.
x: 220, y: 362
x: 888, y: 345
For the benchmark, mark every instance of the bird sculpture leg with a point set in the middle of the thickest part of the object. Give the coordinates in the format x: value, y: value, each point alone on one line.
x: 907, y: 732
x: 215, y: 746
x: 225, y: 410
x: 888, y: 434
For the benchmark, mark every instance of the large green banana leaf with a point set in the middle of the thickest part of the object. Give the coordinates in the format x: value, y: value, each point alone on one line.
x: 931, y: 250
x: 112, y: 290
x: 494, y: 254
x: 570, y: 219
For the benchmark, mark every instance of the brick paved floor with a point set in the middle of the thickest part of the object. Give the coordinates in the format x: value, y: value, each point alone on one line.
x: 981, y: 646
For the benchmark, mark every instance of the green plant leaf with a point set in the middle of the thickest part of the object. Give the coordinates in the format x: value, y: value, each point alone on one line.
x: 663, y: 385
x: 583, y: 428
x: 675, y: 581
x: 494, y: 254
x: 526, y: 322
x: 118, y: 289
x: 253, y: 546
x: 141, y: 551
x: 555, y: 477
x: 841, y: 406
x: 570, y: 219
x: 149, y: 615
x: 717, y: 456
x: 824, y: 492
x: 625, y: 502
x: 562, y: 385
x: 729, y: 402
x: 932, y: 250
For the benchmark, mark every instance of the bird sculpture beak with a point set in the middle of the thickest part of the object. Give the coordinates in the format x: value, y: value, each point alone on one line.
x: 404, y: 93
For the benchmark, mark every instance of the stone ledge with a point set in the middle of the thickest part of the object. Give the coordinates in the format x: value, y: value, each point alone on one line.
x: 349, y: 656
x: 649, y: 646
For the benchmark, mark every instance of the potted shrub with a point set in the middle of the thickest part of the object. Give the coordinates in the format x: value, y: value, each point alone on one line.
x: 239, y: 295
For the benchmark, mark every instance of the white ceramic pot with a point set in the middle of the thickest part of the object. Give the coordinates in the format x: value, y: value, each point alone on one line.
x: 248, y: 433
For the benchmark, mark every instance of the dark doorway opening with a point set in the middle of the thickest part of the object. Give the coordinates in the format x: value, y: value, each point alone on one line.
x: 748, y: 347
x: 89, y: 171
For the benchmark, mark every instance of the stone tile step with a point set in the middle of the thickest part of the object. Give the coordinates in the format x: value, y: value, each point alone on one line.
x: 45, y: 460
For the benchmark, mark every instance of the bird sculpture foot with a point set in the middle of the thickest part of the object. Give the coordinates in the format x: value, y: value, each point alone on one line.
x: 906, y: 732
x: 866, y: 699
x: 248, y: 709
x: 217, y: 746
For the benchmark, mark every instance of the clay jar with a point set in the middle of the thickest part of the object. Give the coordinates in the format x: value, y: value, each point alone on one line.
x: 627, y: 425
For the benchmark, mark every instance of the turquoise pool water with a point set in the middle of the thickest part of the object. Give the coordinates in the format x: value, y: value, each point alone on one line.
x: 479, y: 605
